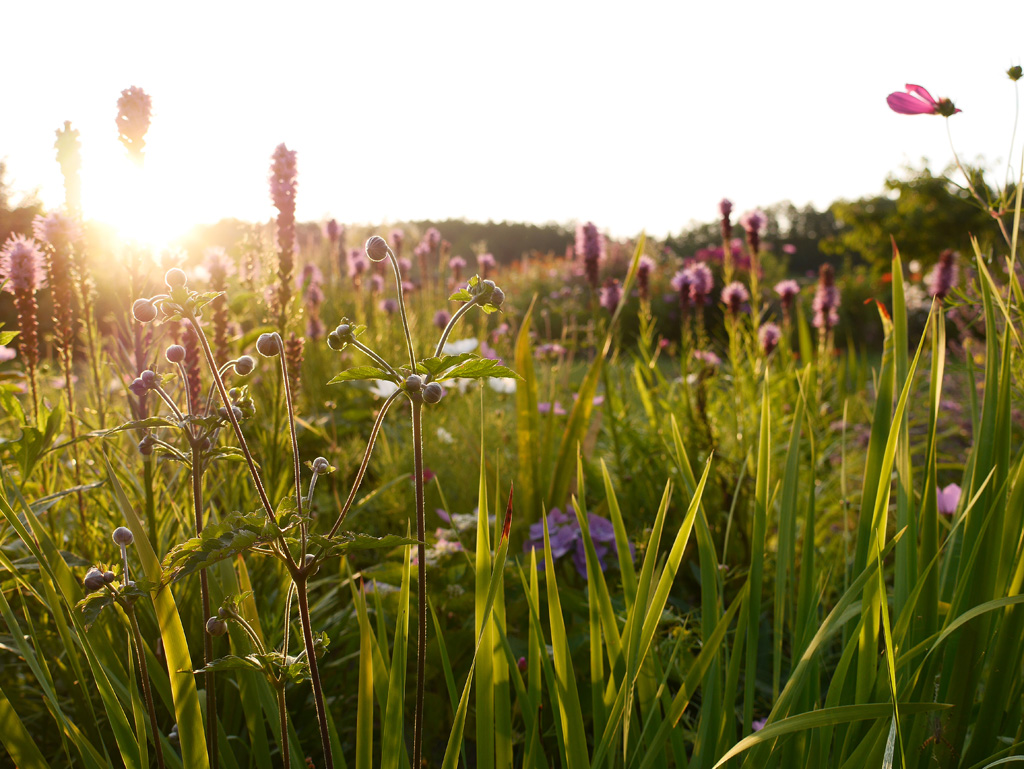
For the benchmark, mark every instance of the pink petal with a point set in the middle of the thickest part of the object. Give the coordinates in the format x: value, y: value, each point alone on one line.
x: 905, y: 104
x: 920, y: 91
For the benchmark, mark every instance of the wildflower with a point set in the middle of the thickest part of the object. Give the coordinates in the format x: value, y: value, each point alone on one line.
x: 383, y: 388
x: 486, y: 263
x: 377, y: 284
x: 283, y: 183
x: 547, y: 408
x: 948, y: 499
x: 754, y: 222
x: 734, y: 296
x: 725, y: 210
x: 707, y: 357
x: 456, y: 264
x: 432, y: 238
x: 502, y: 386
x: 758, y: 724
x: 826, y: 299
x: 701, y: 283
x: 566, y: 537
x: 459, y: 346
x: 682, y: 283
x: 917, y: 101
x: 69, y: 158
x: 549, y: 350
x: 60, y: 233
x: 441, y: 318
x: 134, y: 111
x: 769, y: 335
x: 390, y: 306
x: 7, y: 353
x: 590, y: 245
x: 444, y: 436
x: 333, y: 231
x: 643, y: 276
x: 610, y: 294
x: 21, y: 265
x: 397, y: 239
x: 357, y: 263
x: 486, y: 351
x: 943, y: 276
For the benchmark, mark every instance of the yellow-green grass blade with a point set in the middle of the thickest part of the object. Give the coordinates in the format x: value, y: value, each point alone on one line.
x: 843, y: 714
x: 191, y: 729
x: 497, y: 578
x: 530, y: 480
x: 503, y: 737
x: 364, y: 698
x: 890, y: 659
x: 757, y: 559
x: 21, y: 748
x: 598, y: 609
x: 627, y: 572
x: 484, y: 629
x: 392, y: 743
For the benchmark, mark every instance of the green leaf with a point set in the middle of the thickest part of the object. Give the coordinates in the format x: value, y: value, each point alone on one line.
x: 362, y: 374
x: 91, y: 606
x: 348, y: 542
x: 435, y: 366
x: 236, y: 534
x: 479, y: 368
x: 6, y: 337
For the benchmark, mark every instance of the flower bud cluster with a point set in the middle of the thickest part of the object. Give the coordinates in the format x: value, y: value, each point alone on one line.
x: 146, y: 381
x: 242, y: 404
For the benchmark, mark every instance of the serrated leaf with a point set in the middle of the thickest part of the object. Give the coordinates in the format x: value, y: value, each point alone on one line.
x: 348, y: 542
x: 92, y: 605
x: 236, y: 534
x: 142, y: 424
x: 479, y: 368
x: 435, y: 366
x: 362, y: 373
x: 462, y: 295
x: 6, y: 337
x: 234, y: 662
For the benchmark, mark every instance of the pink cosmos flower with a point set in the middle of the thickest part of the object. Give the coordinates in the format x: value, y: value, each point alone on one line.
x: 917, y: 101
x: 7, y: 353
x: 948, y: 499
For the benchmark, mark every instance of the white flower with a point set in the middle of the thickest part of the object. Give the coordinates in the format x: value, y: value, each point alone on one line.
x: 504, y: 386
x: 444, y: 436
x: 459, y: 346
x: 382, y: 388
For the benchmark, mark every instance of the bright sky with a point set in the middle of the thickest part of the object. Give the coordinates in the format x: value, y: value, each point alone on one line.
x: 636, y: 116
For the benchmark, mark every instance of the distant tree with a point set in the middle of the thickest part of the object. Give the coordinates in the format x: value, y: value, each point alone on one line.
x: 925, y: 213
x: 15, y: 218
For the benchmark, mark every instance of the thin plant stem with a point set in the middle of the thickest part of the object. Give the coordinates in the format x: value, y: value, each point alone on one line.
x: 363, y: 465
x: 144, y: 675
x: 421, y: 552
x: 314, y: 671
x: 282, y: 709
x: 451, y: 325
x: 375, y: 358
x: 169, y: 401
x: 401, y: 306
x: 297, y: 467
x: 204, y: 587
x: 974, y: 192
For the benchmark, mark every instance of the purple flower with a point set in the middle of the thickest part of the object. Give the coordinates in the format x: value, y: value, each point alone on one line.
x: 590, y: 245
x: 734, y: 296
x: 943, y: 277
x: 826, y: 299
x: 917, y: 101
x: 566, y: 537
x: 397, y: 238
x: 134, y: 111
x: 787, y: 291
x: 390, y: 306
x: 725, y: 208
x: 546, y: 408
x: 283, y: 179
x: 753, y: 221
x: 58, y: 230
x: 707, y: 357
x: 948, y: 499
x: 333, y: 230
x: 441, y: 318
x: 21, y: 264
x: 682, y: 284
x: 701, y: 282
x: 432, y: 238
x: 7, y: 353
x: 643, y: 276
x: 456, y: 265
x: 758, y: 724
x: 357, y: 263
x: 769, y: 335
x: 376, y: 283
x: 610, y: 294
x: 486, y: 262
x: 486, y: 351
x: 551, y: 350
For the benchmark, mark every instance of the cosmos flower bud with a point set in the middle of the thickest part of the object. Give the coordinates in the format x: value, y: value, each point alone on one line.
x: 175, y: 278
x: 216, y: 626
x: 123, y: 536
x: 321, y: 466
x: 268, y: 346
x: 414, y: 383
x: 377, y: 248
x: 93, y: 580
x: 144, y: 311
x: 432, y: 392
x: 175, y: 353
x: 245, y: 365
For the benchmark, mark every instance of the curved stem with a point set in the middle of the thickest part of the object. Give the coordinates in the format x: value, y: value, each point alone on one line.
x: 144, y: 675
x: 204, y: 587
x: 401, y: 307
x: 253, y: 472
x: 167, y: 399
x: 974, y: 192
x: 451, y: 325
x: 314, y: 671
x: 287, y: 619
x: 297, y: 467
x: 375, y: 358
x: 366, y: 461
x: 421, y: 552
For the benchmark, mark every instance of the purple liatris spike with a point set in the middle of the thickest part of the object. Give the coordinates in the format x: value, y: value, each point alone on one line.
x: 191, y: 364
x: 610, y: 294
x: 441, y: 318
x: 283, y: 184
x: 69, y: 158
x: 701, y: 283
x: 332, y: 230
x: 590, y: 246
x: 21, y: 266
x: 734, y: 296
x: 432, y: 238
x: 643, y: 276
x: 753, y: 223
x: 293, y: 357
x: 486, y: 262
x: 312, y: 298
x: 788, y: 290
x: 769, y: 335
x: 456, y: 264
x: 134, y: 112
x: 397, y: 238
x: 943, y: 277
x: 219, y: 266
x: 826, y: 299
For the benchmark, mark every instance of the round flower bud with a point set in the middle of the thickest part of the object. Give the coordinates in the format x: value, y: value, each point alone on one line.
x: 172, y: 736
x: 377, y: 248
x: 123, y: 536
x: 93, y: 580
x: 321, y: 466
x: 268, y: 346
x: 175, y: 353
x: 310, y: 560
x: 233, y: 394
x: 497, y: 297
x: 138, y: 387
x: 144, y: 310
x: 414, y: 383
x: 216, y: 626
x: 334, y: 341
x: 109, y: 576
x: 343, y: 330
x: 149, y: 379
x: 146, y: 445
x: 175, y: 278
x: 432, y: 392
x: 245, y: 365
x: 204, y: 444
x: 237, y: 412
x: 223, y: 612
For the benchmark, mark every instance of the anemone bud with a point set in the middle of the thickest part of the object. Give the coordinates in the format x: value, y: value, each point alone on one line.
x: 175, y: 278
x: 377, y: 248
x: 175, y: 353
x: 93, y: 580
x: 245, y: 365
x: 414, y: 383
x: 432, y: 392
x: 268, y: 346
x: 321, y: 466
x: 123, y: 536
x: 144, y: 310
x: 216, y: 626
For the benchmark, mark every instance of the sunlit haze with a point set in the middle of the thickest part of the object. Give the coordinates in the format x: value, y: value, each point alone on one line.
x: 638, y: 116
